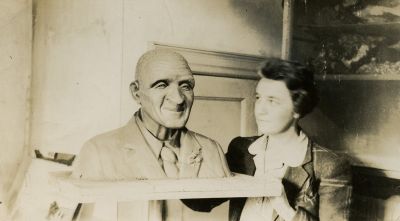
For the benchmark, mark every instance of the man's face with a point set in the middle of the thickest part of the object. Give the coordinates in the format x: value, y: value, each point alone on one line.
x: 166, y: 93
x: 274, y: 108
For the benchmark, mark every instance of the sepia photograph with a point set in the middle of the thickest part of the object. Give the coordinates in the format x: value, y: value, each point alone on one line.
x: 200, y: 110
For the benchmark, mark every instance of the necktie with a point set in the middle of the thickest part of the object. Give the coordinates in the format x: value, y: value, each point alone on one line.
x: 170, y: 161
x: 172, y: 209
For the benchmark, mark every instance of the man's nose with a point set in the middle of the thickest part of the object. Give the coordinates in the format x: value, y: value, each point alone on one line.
x: 175, y: 95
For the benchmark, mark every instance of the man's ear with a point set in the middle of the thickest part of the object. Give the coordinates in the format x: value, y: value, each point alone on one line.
x: 296, y: 115
x: 134, y: 87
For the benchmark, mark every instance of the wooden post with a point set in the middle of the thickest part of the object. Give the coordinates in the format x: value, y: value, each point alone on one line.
x: 287, y: 28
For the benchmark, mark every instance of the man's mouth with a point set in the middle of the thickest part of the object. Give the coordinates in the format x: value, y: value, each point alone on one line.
x: 178, y: 108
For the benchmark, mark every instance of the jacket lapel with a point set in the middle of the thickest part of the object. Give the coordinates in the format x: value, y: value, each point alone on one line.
x: 190, y: 155
x: 133, y: 140
x: 299, y: 175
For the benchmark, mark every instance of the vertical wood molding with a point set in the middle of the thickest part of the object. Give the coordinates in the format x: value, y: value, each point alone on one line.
x: 287, y: 28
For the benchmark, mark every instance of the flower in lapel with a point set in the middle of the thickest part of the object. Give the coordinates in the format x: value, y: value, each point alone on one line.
x: 195, y: 157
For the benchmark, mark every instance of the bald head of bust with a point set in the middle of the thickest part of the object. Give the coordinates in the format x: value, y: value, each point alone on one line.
x: 159, y: 58
x: 163, y: 87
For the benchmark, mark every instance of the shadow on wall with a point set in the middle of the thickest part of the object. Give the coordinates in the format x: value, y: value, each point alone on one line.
x: 262, y: 14
x: 357, y: 116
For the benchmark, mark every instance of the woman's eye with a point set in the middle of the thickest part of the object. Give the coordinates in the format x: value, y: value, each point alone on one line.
x: 273, y: 102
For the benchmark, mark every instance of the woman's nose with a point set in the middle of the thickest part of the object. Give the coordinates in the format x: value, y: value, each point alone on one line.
x: 262, y: 107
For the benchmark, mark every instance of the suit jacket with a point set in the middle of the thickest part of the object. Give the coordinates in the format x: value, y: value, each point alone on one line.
x: 319, y: 189
x: 123, y: 154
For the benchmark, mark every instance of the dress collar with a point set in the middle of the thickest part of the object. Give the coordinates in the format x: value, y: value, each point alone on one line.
x: 292, y: 153
x: 259, y: 145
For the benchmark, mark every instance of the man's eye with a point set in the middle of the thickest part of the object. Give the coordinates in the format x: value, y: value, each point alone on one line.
x: 186, y: 87
x: 161, y: 85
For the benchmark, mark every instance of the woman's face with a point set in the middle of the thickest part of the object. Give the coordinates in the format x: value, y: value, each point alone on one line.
x: 274, y: 107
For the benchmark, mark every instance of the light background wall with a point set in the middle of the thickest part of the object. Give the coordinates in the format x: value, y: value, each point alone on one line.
x: 77, y: 72
x: 15, y: 73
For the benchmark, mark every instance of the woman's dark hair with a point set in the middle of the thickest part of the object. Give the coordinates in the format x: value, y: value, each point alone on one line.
x: 298, y: 79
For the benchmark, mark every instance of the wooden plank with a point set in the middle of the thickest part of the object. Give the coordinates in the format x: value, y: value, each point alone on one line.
x: 358, y: 77
x: 217, y: 63
x: 85, y: 191
x: 387, y: 29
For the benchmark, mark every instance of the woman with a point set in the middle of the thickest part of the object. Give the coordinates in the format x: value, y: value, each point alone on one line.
x: 316, y: 181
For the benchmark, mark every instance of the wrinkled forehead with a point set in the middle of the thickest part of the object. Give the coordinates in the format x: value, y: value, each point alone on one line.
x: 163, y: 66
x: 165, y: 71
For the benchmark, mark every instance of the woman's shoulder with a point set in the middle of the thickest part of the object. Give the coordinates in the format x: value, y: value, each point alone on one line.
x: 324, y: 154
x: 330, y: 164
x: 243, y: 140
x: 241, y: 143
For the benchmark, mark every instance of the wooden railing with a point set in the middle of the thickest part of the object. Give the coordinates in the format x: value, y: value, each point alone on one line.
x: 48, y: 183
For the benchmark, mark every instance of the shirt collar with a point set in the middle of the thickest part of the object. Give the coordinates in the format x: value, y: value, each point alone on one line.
x: 154, y: 143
